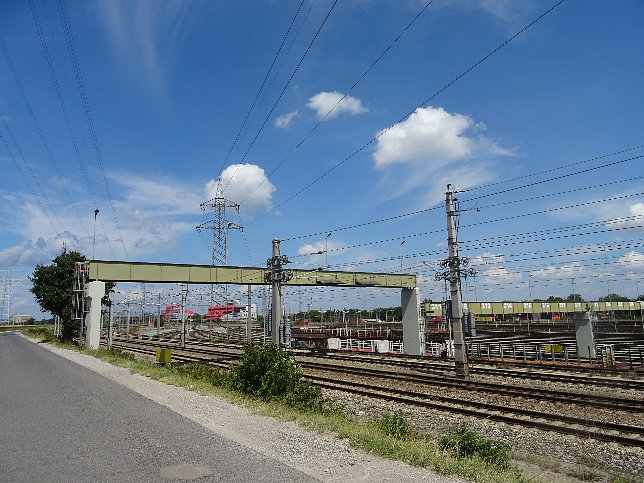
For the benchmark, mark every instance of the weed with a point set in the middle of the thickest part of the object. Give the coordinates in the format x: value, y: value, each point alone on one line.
x: 395, y: 425
x: 45, y: 334
x: 463, y: 443
x: 591, y: 462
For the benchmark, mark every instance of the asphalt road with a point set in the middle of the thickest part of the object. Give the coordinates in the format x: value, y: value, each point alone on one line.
x: 62, y: 422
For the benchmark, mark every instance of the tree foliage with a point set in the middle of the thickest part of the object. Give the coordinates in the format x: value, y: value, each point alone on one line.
x: 53, y: 287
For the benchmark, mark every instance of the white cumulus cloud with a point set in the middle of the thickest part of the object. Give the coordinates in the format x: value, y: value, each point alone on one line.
x: 632, y: 260
x: 332, y: 104
x: 551, y: 272
x: 245, y: 183
x: 434, y: 136
x: 285, y: 120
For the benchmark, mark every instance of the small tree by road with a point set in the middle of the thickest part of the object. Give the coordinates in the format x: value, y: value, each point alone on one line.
x: 53, y: 287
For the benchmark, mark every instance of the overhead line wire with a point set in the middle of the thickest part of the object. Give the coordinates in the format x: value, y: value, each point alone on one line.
x: 64, y: 18
x: 261, y: 87
x: 516, y: 242
x: 559, y: 208
x: 608, y: 183
x: 553, y: 169
x: 377, y: 136
x: 279, y: 98
x: 404, y: 215
x: 28, y: 183
x: 359, y: 225
x: 413, y: 235
x: 556, y: 178
x: 344, y: 96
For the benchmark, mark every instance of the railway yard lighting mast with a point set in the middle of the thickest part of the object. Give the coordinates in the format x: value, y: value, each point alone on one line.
x: 401, y: 244
x: 94, y: 239
x: 326, y: 250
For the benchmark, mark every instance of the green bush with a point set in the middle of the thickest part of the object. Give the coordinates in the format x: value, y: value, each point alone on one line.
x: 394, y: 425
x: 267, y: 373
x: 463, y: 443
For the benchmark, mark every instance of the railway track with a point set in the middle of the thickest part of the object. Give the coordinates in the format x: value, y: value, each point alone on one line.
x: 551, y: 395
x: 430, y: 367
x: 584, y: 428
x: 531, y: 373
x: 224, y: 356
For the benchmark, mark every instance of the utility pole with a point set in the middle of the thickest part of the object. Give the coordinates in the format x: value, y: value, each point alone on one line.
x: 248, y: 318
x: 110, y: 319
x: 453, y: 274
x: 184, y: 293
x: 276, y: 276
x: 127, y: 322
x: 159, y: 315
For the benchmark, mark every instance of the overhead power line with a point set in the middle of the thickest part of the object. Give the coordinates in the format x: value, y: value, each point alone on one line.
x: 279, y: 98
x: 509, y: 180
x: 344, y: 96
x: 556, y: 178
x: 261, y: 87
x: 382, y: 132
x: 80, y: 84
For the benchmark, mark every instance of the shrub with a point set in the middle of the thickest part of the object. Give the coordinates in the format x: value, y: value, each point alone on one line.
x: 394, y: 425
x: 463, y: 443
x: 267, y: 373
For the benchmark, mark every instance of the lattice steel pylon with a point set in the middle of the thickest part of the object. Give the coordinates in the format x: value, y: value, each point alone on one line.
x: 219, y: 225
x: 81, y: 273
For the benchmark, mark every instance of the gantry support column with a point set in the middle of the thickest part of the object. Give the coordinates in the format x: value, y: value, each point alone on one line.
x: 413, y: 324
x: 584, y: 334
x: 94, y: 292
x: 460, y: 352
x: 276, y: 276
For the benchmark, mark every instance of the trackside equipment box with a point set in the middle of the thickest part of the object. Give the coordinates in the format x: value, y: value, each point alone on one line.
x: 164, y: 355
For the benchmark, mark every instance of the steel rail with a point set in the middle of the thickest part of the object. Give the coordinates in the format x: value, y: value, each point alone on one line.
x: 558, y: 396
x: 491, y: 412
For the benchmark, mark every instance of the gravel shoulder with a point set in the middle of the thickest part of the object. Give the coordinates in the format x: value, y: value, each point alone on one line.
x: 323, y: 457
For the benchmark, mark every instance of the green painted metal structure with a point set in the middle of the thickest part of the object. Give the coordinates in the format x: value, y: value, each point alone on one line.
x: 500, y: 308
x: 114, y: 271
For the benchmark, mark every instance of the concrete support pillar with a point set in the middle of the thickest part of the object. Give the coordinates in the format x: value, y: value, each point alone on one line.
x: 94, y: 292
x: 584, y: 334
x: 413, y: 323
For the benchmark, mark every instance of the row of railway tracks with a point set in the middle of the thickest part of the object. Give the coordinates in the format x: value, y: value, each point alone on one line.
x: 432, y: 386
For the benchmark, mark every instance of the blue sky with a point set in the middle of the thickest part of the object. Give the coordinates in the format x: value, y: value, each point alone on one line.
x: 367, y: 110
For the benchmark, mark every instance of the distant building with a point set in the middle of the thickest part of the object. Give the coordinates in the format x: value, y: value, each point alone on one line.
x: 172, y: 313
x: 232, y: 310
x: 19, y: 319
